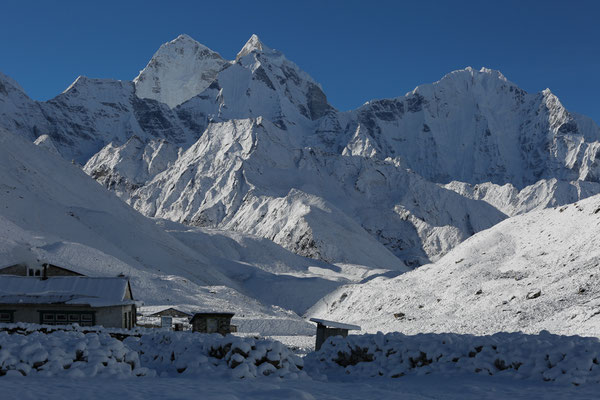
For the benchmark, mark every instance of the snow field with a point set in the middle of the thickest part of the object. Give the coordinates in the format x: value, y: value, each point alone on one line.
x: 562, y: 359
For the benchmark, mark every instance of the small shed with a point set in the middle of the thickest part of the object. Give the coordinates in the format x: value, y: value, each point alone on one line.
x: 326, y: 329
x: 212, y: 322
x: 170, y: 312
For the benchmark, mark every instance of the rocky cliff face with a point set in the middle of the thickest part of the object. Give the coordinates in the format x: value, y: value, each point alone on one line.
x: 253, y: 145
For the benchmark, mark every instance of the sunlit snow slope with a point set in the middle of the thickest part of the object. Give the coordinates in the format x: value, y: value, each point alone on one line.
x: 532, y: 272
x: 54, y: 212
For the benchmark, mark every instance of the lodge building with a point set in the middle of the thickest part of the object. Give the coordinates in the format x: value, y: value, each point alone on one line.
x: 57, y: 296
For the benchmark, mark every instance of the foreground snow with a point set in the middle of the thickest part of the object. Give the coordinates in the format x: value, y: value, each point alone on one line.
x: 185, y: 365
x: 415, y: 388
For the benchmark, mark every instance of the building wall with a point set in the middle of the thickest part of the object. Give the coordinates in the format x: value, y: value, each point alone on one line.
x: 109, y: 317
x: 113, y: 317
x: 323, y: 333
x: 223, y: 325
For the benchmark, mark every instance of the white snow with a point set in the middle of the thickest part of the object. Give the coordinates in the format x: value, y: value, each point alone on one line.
x: 333, y: 324
x: 82, y: 290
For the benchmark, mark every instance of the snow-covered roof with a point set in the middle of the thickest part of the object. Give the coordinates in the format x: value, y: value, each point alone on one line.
x: 76, y: 290
x: 333, y: 324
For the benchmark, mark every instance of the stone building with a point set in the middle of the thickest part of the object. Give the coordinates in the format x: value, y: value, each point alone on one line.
x: 212, y: 322
x: 60, y: 300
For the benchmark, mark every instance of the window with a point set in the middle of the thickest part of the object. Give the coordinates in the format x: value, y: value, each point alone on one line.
x: 87, y: 320
x: 47, y: 318
x: 6, y: 317
x: 63, y: 317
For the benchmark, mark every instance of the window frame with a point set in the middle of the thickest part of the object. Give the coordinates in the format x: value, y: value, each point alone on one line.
x: 11, y: 316
x: 86, y: 317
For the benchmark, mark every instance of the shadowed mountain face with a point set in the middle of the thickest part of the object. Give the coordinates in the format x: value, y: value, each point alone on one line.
x: 252, y: 145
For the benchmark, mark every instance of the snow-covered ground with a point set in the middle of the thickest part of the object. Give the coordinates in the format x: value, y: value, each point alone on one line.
x: 417, y: 388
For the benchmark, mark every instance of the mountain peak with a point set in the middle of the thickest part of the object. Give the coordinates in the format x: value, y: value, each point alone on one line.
x: 183, y: 37
x: 7, y: 80
x: 253, y: 44
x: 178, y: 71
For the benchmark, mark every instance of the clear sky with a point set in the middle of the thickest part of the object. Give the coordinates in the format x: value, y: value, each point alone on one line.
x: 357, y: 50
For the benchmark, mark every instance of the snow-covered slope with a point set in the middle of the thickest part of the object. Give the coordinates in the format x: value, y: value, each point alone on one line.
x: 53, y: 211
x: 532, y: 272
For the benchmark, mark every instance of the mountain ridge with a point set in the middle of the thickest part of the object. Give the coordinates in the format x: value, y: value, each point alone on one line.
x: 471, y: 127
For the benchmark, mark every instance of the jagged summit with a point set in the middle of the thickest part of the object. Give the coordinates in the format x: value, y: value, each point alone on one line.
x: 253, y: 44
x: 178, y: 71
x: 183, y: 38
x: 471, y: 75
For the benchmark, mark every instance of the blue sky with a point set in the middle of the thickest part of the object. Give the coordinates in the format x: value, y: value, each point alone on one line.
x: 357, y: 50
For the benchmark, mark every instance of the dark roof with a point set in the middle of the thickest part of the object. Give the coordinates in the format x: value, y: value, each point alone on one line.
x: 170, y: 309
x: 44, y: 265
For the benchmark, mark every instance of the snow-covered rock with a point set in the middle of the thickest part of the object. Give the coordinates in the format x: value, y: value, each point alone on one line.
x: 252, y: 176
x: 54, y: 351
x: 542, y: 194
x: 544, y: 357
x: 476, y: 126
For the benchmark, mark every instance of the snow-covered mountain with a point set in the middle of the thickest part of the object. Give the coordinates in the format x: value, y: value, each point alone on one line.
x: 253, y: 145
x: 476, y: 126
x: 249, y: 176
x: 532, y: 272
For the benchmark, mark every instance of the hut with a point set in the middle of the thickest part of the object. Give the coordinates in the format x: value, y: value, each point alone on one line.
x: 212, y: 322
x: 66, y: 300
x: 326, y: 329
x: 170, y: 312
